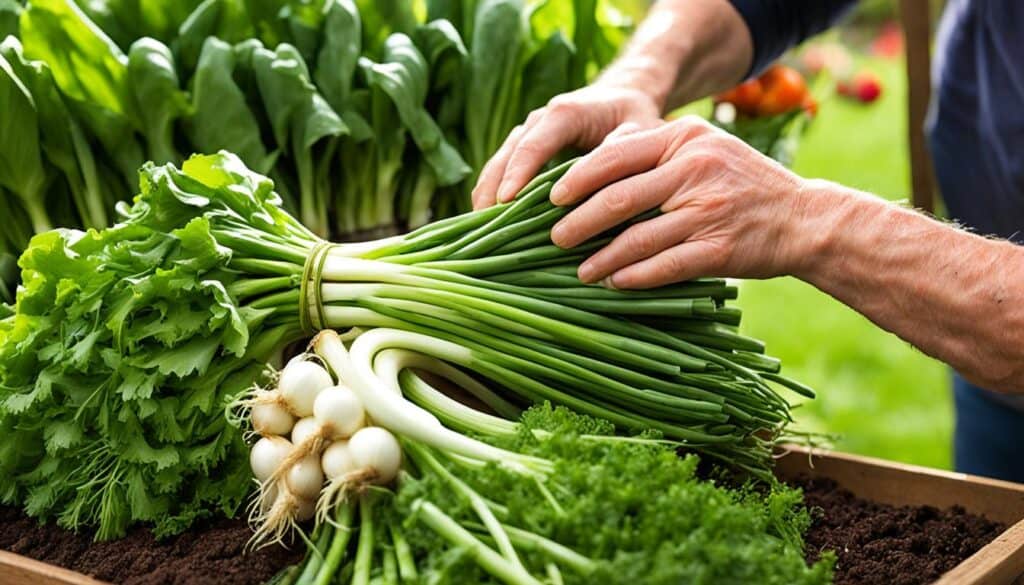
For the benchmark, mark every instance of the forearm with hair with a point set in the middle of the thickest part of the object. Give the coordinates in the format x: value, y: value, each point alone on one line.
x: 684, y: 50
x: 954, y: 295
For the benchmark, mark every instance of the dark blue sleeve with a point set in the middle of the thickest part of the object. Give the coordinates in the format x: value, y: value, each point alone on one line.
x: 777, y: 25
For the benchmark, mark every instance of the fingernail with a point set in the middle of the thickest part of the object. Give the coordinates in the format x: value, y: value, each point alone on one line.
x: 586, y: 272
x: 558, y: 233
x: 505, y: 193
x: 558, y: 194
x: 609, y: 282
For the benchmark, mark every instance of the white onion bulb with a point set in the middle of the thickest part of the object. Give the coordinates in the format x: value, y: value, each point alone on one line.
x: 339, y: 410
x: 270, y: 418
x: 305, y: 509
x: 305, y: 478
x: 337, y: 460
x: 300, y: 383
x: 376, y: 449
x: 266, y: 456
x: 304, y: 429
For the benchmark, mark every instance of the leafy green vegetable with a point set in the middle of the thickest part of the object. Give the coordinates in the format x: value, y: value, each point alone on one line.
x: 617, y: 510
x: 371, y: 117
x: 635, y: 508
x: 62, y: 139
x: 158, y: 95
x: 10, y: 11
x: 221, y: 116
x: 91, y: 72
x: 126, y: 347
x: 127, y: 344
x: 303, y: 123
x: 21, y: 166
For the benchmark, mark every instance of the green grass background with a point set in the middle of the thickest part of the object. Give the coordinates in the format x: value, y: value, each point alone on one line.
x: 879, y: 395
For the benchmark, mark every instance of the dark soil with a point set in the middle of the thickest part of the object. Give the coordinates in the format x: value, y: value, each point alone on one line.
x: 211, y: 553
x: 874, y: 543
x: 890, y: 545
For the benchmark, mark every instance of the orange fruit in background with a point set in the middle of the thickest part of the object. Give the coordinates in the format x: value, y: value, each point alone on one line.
x: 784, y: 90
x: 745, y: 96
x: 810, y: 105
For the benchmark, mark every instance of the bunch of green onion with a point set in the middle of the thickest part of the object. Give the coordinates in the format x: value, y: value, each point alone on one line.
x: 488, y: 292
x: 127, y: 344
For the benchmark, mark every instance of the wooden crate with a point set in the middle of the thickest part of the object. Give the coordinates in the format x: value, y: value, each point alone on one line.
x: 1000, y: 562
x: 19, y: 570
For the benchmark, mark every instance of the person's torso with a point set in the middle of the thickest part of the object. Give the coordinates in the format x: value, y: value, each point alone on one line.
x: 976, y: 126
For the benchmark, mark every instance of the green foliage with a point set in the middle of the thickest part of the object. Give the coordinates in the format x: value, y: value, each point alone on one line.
x: 370, y: 116
x: 634, y: 506
x: 126, y: 348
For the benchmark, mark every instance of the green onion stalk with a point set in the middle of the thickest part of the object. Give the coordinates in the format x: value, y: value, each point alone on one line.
x: 488, y: 292
x: 531, y: 517
x: 133, y: 340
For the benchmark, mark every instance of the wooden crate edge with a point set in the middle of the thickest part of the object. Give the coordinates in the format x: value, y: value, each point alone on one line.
x: 18, y: 570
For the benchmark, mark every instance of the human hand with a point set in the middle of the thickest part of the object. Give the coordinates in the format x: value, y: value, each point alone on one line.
x: 727, y: 210
x: 582, y: 118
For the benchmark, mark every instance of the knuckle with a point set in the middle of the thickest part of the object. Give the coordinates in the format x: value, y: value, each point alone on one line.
x: 691, y: 120
x: 694, y: 123
x: 563, y: 108
x: 702, y: 159
x: 617, y: 200
x: 613, y: 155
x: 640, y: 241
x: 529, y: 148
x: 689, y: 127
x: 716, y: 205
x: 535, y: 116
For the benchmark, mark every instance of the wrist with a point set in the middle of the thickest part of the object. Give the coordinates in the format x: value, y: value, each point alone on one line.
x: 684, y: 50
x: 824, y: 212
x: 642, y: 75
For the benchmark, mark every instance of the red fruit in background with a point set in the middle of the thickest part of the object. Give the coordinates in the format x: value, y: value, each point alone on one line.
x: 867, y: 86
x: 844, y: 87
x: 864, y: 87
x: 889, y: 42
x: 784, y: 90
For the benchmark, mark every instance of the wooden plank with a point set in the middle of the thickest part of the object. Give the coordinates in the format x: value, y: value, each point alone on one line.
x: 916, y: 19
x: 19, y: 570
x: 901, y: 484
x: 1000, y: 562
